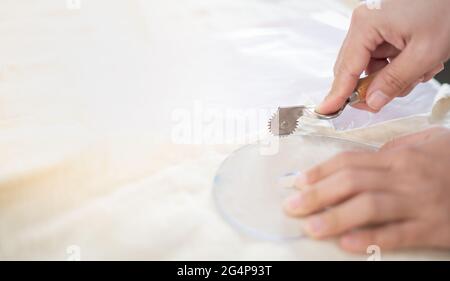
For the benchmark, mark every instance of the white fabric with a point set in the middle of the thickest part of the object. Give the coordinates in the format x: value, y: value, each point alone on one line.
x: 86, y: 97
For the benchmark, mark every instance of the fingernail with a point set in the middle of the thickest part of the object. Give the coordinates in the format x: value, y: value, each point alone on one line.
x: 377, y: 100
x: 315, y: 225
x: 319, y: 107
x: 294, y: 202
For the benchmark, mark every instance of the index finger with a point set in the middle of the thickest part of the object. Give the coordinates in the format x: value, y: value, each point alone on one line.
x: 353, y: 58
x: 346, y: 160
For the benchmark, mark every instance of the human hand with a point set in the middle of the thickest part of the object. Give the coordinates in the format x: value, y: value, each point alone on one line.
x: 406, y: 41
x: 397, y: 197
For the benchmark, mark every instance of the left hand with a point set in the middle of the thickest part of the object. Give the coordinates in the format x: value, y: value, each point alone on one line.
x: 398, y: 197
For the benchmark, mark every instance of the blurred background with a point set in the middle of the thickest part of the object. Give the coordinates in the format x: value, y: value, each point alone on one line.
x: 444, y: 76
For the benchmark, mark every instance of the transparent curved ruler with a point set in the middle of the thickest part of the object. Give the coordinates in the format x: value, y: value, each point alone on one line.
x: 247, y: 188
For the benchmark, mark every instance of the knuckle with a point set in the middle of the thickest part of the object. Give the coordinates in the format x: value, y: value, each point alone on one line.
x: 314, y: 174
x: 344, y: 158
x: 347, y: 69
x: 425, y: 52
x: 334, y: 222
x: 311, y: 197
x: 371, y: 206
x: 359, y: 14
x: 350, y: 180
x: 407, y: 158
x: 393, y: 79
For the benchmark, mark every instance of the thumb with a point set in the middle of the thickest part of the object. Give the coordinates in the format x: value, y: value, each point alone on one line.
x: 396, y: 78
